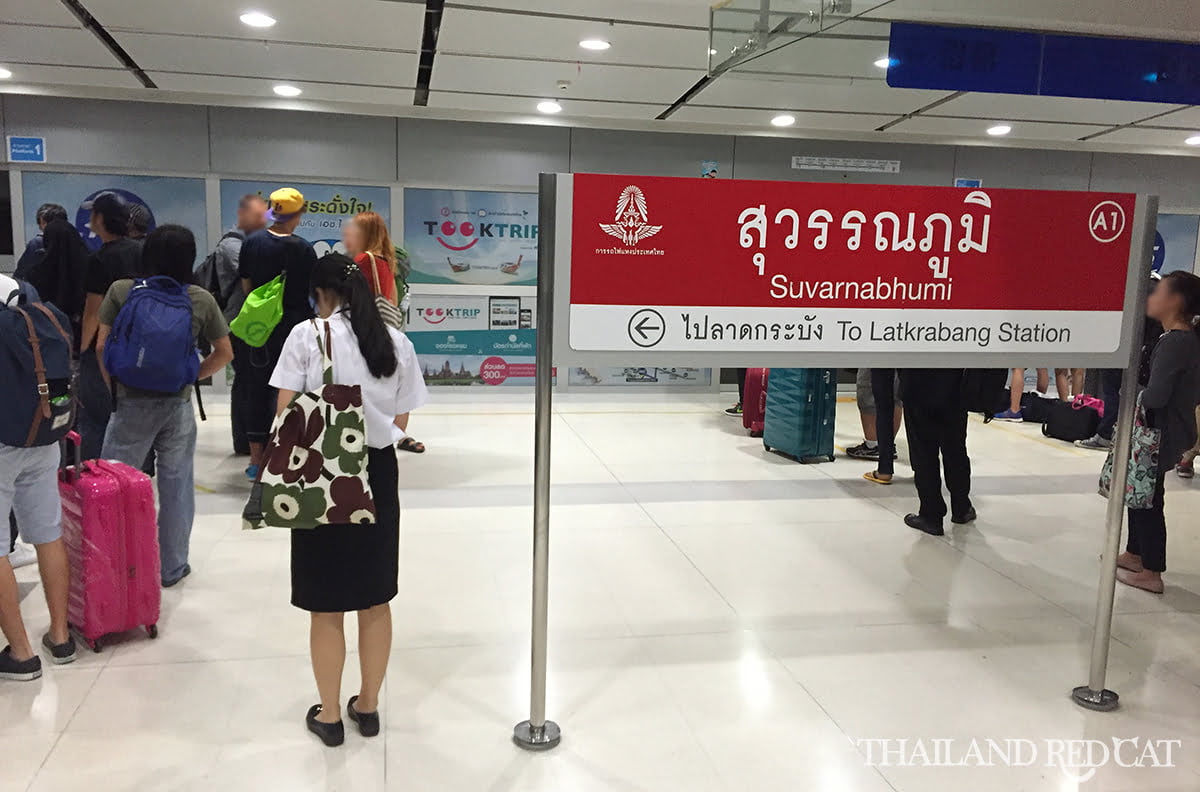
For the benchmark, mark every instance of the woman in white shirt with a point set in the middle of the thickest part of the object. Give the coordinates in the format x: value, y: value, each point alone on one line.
x: 341, y: 568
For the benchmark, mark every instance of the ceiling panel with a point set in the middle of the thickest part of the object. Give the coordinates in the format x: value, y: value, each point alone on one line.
x: 62, y: 46
x: 732, y: 90
x: 361, y: 23
x: 1188, y: 118
x: 520, y: 105
x: 261, y: 89
x: 65, y: 76
x: 976, y: 129
x: 1141, y: 136
x: 760, y: 120
x: 1048, y: 108
x: 535, y: 78
x: 668, y: 12
x: 533, y: 38
x: 276, y: 62
x: 39, y: 12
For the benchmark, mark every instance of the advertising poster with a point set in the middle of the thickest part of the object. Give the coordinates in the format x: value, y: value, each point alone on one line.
x: 471, y: 237
x: 1175, y: 243
x: 454, y: 335
x: 329, y: 205
x: 640, y: 375
x: 167, y: 199
x: 476, y: 357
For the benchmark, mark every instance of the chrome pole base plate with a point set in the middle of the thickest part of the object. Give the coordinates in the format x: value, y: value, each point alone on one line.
x: 539, y: 738
x: 1098, y: 700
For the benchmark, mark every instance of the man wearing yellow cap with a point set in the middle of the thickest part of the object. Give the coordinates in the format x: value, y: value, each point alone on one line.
x: 267, y: 254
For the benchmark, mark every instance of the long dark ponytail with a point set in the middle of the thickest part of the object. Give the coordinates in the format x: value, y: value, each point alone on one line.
x: 339, y: 274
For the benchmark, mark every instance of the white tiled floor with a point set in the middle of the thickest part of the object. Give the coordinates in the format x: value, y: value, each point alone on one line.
x: 721, y: 619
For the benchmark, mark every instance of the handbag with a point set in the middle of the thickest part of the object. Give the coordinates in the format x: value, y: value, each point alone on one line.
x: 1142, y: 478
x: 392, y: 316
x: 261, y: 313
x: 315, y: 468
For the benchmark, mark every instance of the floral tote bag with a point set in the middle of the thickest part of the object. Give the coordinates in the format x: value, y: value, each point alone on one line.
x: 1143, y: 464
x: 315, y: 468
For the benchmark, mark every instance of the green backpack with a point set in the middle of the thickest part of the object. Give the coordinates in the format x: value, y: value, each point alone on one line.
x: 260, y: 314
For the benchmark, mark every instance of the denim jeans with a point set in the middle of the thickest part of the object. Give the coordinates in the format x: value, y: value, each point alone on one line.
x: 167, y: 425
x: 1110, y: 393
x: 95, y: 406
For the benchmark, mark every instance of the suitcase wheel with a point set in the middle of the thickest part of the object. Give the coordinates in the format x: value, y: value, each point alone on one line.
x: 96, y: 646
x: 152, y: 630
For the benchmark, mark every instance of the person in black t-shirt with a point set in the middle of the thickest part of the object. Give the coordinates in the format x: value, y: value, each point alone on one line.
x: 118, y: 257
x: 265, y: 255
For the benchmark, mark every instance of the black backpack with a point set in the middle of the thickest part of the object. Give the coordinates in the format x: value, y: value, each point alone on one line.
x: 1070, y: 422
x: 210, y: 278
x: 983, y: 391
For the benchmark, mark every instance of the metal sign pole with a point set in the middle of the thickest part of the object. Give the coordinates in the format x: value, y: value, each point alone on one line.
x: 1093, y: 695
x: 537, y: 733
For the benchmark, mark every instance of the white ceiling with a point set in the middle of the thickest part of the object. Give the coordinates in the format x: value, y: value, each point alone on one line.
x: 497, y: 59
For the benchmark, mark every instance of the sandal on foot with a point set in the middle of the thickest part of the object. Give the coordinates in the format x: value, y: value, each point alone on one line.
x: 1144, y: 580
x: 411, y: 445
x: 877, y: 477
x: 368, y: 722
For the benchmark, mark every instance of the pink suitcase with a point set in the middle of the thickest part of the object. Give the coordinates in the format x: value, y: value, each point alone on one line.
x: 754, y: 401
x: 110, y: 529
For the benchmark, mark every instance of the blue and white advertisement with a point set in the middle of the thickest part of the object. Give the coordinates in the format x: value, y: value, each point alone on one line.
x: 167, y: 199
x: 476, y: 357
x: 1175, y: 243
x: 328, y: 206
x: 471, y: 237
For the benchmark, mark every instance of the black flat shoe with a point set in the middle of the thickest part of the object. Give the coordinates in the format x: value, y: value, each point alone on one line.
x: 924, y: 524
x: 368, y: 722
x: 332, y: 734
x: 966, y: 517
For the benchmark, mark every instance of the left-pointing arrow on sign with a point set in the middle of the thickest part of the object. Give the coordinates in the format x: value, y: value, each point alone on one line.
x: 647, y: 327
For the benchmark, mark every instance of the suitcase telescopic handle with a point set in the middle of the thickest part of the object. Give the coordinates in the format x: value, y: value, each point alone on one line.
x: 74, y: 449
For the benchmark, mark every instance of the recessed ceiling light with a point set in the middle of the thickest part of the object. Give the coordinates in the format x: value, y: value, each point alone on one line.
x: 549, y: 107
x: 712, y: 51
x: 783, y: 120
x: 883, y: 63
x: 1194, y: 140
x: 5, y: 74
x: 999, y: 130
x: 288, y: 90
x: 594, y: 44
x: 257, y: 19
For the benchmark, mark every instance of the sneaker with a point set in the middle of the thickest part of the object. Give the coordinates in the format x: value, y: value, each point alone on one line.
x: 252, y: 473
x: 735, y: 410
x: 60, y: 654
x: 1185, y: 470
x: 19, y: 670
x: 22, y: 555
x: 1095, y: 442
x: 1008, y: 415
x: 863, y: 451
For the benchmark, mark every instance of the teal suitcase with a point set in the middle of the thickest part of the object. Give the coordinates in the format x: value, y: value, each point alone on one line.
x: 801, y: 405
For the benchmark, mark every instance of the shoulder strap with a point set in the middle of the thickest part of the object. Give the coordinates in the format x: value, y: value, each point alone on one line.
x: 54, y: 320
x: 375, y: 274
x: 326, y: 346
x: 39, y: 367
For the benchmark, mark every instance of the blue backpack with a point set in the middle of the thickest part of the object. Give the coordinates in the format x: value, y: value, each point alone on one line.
x: 35, y: 367
x: 151, y: 346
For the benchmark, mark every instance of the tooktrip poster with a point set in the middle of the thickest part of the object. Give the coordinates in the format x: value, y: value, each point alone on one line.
x: 471, y: 237
x: 328, y: 207
x: 167, y: 199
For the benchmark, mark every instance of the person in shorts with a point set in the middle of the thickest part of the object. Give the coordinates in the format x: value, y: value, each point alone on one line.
x: 865, y: 396
x: 29, y: 488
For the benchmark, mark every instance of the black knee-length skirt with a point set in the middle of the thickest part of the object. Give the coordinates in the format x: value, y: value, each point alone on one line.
x: 352, y: 567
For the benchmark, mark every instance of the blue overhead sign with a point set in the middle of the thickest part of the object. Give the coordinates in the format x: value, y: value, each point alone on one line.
x: 26, y: 149
x: 988, y: 60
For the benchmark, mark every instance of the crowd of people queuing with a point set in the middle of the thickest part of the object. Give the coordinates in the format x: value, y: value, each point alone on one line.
x: 335, y: 568
x: 929, y: 405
